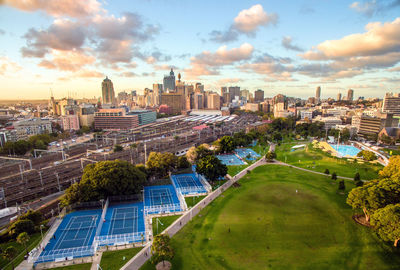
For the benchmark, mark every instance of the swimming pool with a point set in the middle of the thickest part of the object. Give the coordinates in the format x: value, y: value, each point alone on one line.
x: 346, y: 150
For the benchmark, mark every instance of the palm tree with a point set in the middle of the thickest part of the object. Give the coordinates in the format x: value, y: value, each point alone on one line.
x: 23, y: 239
x: 9, y: 254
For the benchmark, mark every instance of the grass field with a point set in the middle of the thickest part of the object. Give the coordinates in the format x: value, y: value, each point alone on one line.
x: 192, y: 201
x: 316, y: 160
x: 280, y: 218
x: 34, y: 240
x: 166, y: 221
x: 114, y: 260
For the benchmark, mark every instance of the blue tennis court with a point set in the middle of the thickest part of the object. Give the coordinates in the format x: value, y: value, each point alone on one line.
x: 122, y: 219
x: 188, y: 183
x: 230, y: 160
x: 77, y: 230
x: 159, y: 199
x: 247, y: 153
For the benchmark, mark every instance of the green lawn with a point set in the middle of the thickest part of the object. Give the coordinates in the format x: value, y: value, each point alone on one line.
x: 166, y: 221
x: 392, y: 151
x: 316, y: 160
x: 83, y: 266
x: 192, y: 201
x: 111, y: 260
x: 34, y: 240
x: 280, y: 218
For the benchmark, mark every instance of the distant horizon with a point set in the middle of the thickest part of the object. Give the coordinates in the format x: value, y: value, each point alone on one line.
x: 70, y: 46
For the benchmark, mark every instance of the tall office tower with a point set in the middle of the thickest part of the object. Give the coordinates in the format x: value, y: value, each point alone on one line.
x: 259, y: 95
x: 169, y: 81
x: 391, y: 104
x: 157, y: 90
x: 214, y: 101
x: 339, y: 97
x: 199, y: 88
x: 234, y: 91
x: 224, y: 90
x: 189, y: 88
x: 198, y: 101
x: 245, y: 94
x: 318, y: 94
x: 107, y: 89
x: 350, y: 95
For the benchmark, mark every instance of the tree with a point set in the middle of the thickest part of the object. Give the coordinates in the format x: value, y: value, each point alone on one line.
x: 35, y: 216
x: 161, y: 163
x: 386, y: 139
x: 225, y: 144
x: 270, y: 156
x: 106, y: 178
x: 183, y: 163
x: 22, y: 225
x: 212, y: 168
x: 23, y: 239
x: 357, y: 177
x: 334, y: 176
x: 357, y: 198
x: 9, y: 253
x: 392, y: 170
x: 367, y: 155
x: 359, y: 183
x: 386, y: 223
x: 341, y: 185
x: 118, y: 148
x: 327, y: 171
x: 161, y: 250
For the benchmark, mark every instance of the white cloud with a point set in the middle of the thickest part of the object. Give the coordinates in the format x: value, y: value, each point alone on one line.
x: 248, y: 20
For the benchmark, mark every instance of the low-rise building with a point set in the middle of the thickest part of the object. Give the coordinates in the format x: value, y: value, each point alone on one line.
x: 145, y: 116
x: 70, y: 122
x: 115, y: 119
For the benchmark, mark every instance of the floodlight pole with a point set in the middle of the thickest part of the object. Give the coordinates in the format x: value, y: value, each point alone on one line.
x: 41, y: 232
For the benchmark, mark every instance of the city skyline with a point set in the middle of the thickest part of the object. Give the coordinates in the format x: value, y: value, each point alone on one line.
x: 289, y: 49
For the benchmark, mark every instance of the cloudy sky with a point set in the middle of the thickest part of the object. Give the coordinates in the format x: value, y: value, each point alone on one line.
x: 288, y: 46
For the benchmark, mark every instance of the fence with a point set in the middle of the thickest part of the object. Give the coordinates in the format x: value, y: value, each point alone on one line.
x: 182, y: 201
x: 85, y: 205
x: 119, y: 239
x: 125, y: 198
x: 205, y: 183
x: 103, y: 215
x: 66, y: 254
x: 165, y: 208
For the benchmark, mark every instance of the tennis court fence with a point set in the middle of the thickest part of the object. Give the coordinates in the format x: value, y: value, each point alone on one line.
x: 205, y: 183
x: 182, y: 201
x: 103, y: 215
x: 66, y: 253
x: 119, y: 239
x: 165, y: 208
x: 126, y: 198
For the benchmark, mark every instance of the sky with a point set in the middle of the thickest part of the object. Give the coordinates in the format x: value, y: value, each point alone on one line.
x: 67, y: 47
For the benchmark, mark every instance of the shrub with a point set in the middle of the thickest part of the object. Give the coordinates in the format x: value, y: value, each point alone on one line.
x: 359, y: 183
x: 35, y: 216
x: 341, y: 185
x: 326, y: 171
x: 357, y: 177
x: 22, y: 225
x: 334, y: 176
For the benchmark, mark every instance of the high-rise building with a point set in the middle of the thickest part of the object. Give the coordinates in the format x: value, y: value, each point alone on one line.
x: 169, y: 81
x: 214, y: 101
x: 173, y: 101
x: 198, y: 101
x: 391, y: 104
x: 199, y: 88
x: 259, y: 95
x: 339, y: 97
x: 350, y: 95
x: 157, y: 90
x: 234, y: 91
x: 318, y: 94
x: 107, y: 90
x: 245, y: 94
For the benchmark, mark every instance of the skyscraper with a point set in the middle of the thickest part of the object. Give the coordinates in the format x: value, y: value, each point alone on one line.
x: 234, y: 91
x: 169, y: 81
x: 350, y: 95
x: 107, y: 89
x: 339, y: 97
x: 259, y: 95
x: 318, y: 94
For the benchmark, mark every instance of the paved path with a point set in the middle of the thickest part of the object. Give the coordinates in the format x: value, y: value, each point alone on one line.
x: 96, y: 260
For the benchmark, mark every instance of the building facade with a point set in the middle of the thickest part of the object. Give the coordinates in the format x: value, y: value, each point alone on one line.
x: 259, y: 95
x: 173, y: 101
x: 115, y: 119
x: 391, y: 104
x: 107, y: 90
x: 169, y: 81
x: 70, y: 122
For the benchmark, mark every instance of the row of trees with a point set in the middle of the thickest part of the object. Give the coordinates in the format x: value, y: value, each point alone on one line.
x: 380, y: 201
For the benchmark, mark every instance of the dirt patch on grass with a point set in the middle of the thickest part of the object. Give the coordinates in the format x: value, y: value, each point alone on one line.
x: 360, y: 219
